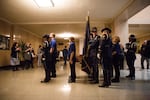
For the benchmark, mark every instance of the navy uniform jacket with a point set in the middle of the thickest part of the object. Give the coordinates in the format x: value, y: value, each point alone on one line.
x: 72, y: 48
x: 53, y: 45
x: 131, y: 49
x: 93, y: 46
x: 106, y: 53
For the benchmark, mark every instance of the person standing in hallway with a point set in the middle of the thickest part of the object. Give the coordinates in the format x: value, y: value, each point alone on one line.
x: 122, y: 57
x: 144, y: 54
x: 72, y: 59
x: 14, y: 56
x: 93, y: 51
x: 46, y: 58
x: 28, y: 56
x: 106, y: 56
x: 65, y: 53
x: 53, y: 53
x: 39, y: 55
x: 130, y: 56
x: 116, y: 53
x: 33, y: 56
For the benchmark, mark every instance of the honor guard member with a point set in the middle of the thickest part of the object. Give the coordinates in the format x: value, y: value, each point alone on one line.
x: 93, y: 51
x: 46, y: 59
x: 72, y: 60
x: 106, y: 56
x: 130, y: 56
x: 53, y: 53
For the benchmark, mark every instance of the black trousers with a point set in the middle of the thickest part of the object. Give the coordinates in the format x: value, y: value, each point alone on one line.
x: 94, y: 67
x: 47, y: 70
x: 65, y: 60
x: 143, y: 58
x: 107, y: 69
x: 116, y: 62
x: 130, y: 62
x: 107, y: 77
x: 73, y: 71
x: 53, y: 66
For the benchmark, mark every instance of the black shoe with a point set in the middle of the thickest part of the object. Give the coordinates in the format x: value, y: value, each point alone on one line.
x: 128, y: 76
x: 115, y: 80
x: 133, y: 78
x: 44, y: 81
x: 71, y: 81
x: 53, y: 76
x: 147, y: 67
x: 104, y: 85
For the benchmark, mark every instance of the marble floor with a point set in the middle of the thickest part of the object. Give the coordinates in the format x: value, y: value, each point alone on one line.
x: 25, y: 85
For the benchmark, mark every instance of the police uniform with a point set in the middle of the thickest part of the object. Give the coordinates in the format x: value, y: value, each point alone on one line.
x: 46, y: 59
x: 106, y: 56
x: 93, y: 51
x: 72, y: 48
x: 130, y: 56
x: 53, y: 55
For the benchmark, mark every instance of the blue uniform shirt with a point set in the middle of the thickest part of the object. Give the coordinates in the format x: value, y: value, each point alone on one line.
x: 53, y: 45
x: 72, y: 48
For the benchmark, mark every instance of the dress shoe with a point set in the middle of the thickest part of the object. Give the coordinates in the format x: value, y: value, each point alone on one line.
x: 115, y: 80
x: 53, y: 76
x: 133, y: 78
x: 147, y: 67
x: 128, y: 76
x: 104, y: 85
x: 45, y: 81
x: 71, y: 81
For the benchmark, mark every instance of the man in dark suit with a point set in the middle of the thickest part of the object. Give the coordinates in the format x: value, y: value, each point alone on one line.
x: 106, y: 56
x: 46, y: 58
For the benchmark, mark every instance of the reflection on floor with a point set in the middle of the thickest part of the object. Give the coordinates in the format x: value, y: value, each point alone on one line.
x: 25, y: 85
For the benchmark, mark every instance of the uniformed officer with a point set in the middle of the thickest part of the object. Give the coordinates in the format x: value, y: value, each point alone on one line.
x: 72, y: 59
x: 53, y: 53
x: 93, y: 51
x: 106, y: 56
x: 46, y: 58
x: 130, y: 56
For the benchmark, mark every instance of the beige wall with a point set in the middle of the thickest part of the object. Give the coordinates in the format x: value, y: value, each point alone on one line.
x: 66, y: 43
x: 121, y: 27
x: 5, y: 29
x: 27, y: 37
x: 20, y: 34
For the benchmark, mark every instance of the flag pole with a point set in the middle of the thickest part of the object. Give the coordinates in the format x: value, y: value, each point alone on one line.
x: 88, y: 13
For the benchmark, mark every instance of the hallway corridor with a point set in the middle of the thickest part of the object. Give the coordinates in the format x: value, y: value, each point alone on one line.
x: 25, y: 85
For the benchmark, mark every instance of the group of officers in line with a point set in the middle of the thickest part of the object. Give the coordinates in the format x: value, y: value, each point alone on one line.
x: 50, y: 54
x: 109, y: 51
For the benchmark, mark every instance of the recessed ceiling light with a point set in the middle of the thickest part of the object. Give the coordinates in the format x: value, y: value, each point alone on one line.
x: 44, y: 3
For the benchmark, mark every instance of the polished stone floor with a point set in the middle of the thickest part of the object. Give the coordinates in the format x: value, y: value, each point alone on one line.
x: 25, y: 85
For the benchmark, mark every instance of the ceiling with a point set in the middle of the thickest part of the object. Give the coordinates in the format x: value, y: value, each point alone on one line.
x: 65, y: 16
x: 142, y: 17
x: 139, y: 24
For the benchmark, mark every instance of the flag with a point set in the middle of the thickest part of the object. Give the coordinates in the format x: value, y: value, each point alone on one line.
x: 87, y: 35
x: 85, y: 65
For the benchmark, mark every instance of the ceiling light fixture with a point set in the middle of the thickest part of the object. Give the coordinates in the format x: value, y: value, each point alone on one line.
x: 44, y: 3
